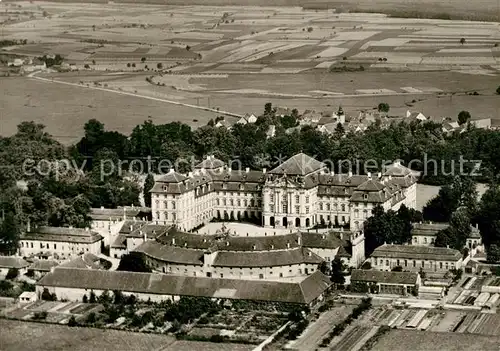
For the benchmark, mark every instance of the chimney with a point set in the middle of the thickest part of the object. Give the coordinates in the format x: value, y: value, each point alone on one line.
x: 264, y: 170
x: 173, y: 241
x: 247, y: 170
x: 299, y: 239
x: 369, y: 175
x: 272, y: 247
x: 288, y: 245
x: 227, y: 243
x: 350, y: 173
x: 171, y: 170
x: 190, y: 174
x: 185, y: 244
x: 379, y: 175
x: 102, y: 207
x: 323, y: 236
x: 477, y: 226
x: 28, y: 226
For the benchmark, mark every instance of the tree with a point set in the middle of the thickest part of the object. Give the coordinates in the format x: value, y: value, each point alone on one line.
x: 397, y: 269
x: 498, y: 90
x: 105, y: 297
x: 133, y: 262
x: 493, y: 253
x: 128, y: 65
x: 72, y: 322
x: 337, y: 269
x: 143, y: 59
x: 159, y: 65
x: 85, y: 299
x: 148, y: 185
x: 461, y: 192
x: 118, y: 297
x: 384, y: 227
x: 463, y: 117
x: 46, y: 295
x: 9, y: 234
x: 12, y: 273
x: 188, y: 47
x: 383, y: 107
x: 462, y: 41
x: 92, y: 298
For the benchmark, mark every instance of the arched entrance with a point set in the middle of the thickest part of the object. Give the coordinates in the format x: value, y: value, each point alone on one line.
x: 271, y: 221
x: 308, y: 222
x: 297, y: 222
x: 285, y: 222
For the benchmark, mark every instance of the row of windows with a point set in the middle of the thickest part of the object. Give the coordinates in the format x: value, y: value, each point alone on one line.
x: 285, y: 198
x: 165, y: 204
x: 328, y: 207
x: 284, y: 209
x: 245, y: 202
x: 413, y: 263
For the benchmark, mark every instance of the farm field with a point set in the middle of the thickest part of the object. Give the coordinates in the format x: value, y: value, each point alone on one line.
x: 402, y: 340
x: 239, y: 58
x: 45, y: 337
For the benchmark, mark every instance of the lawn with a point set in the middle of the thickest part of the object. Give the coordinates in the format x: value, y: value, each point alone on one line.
x: 47, y: 337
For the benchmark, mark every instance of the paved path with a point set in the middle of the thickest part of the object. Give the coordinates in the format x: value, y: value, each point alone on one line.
x: 34, y: 76
x: 315, y: 332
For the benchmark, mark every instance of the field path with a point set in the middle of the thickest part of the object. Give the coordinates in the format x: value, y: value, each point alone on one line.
x: 34, y: 76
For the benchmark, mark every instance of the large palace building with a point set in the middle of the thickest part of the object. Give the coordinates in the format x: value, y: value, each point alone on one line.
x: 298, y: 194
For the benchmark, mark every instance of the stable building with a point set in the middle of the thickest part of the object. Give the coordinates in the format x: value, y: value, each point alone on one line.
x: 394, y: 283
x: 59, y: 242
x: 74, y: 284
x: 415, y: 258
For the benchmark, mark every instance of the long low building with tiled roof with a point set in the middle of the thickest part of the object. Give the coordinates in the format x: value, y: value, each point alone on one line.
x: 12, y: 262
x: 373, y: 281
x: 73, y: 284
x: 299, y: 193
x: 415, y: 258
x: 60, y: 241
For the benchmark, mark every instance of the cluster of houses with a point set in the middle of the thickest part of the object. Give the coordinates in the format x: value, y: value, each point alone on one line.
x: 328, y: 122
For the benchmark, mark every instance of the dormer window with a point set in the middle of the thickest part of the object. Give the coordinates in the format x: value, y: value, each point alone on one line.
x: 242, y: 186
x: 165, y: 187
x: 365, y: 196
x: 346, y: 190
x: 224, y: 186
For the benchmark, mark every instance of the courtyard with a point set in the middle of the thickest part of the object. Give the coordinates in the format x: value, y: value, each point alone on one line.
x: 241, y: 229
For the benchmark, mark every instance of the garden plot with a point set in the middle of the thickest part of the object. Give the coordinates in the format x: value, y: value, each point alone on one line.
x: 411, y: 90
x: 392, y: 57
x: 454, y: 60
x: 331, y: 52
x: 359, y: 35
x: 278, y: 48
x: 246, y: 51
x: 325, y: 64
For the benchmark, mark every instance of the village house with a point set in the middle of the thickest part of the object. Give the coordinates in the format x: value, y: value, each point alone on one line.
x: 59, y: 242
x: 415, y: 258
x: 27, y: 297
x: 13, y: 262
x: 247, y: 118
x: 73, y: 284
x: 381, y: 282
x: 418, y: 116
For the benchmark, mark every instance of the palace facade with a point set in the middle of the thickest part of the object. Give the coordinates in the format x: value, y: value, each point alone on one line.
x: 300, y: 193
